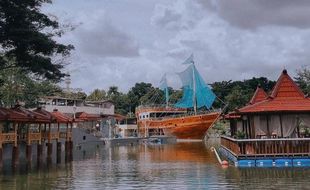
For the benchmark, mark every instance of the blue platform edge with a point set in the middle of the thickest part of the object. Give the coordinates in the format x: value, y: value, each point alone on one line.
x: 265, y: 161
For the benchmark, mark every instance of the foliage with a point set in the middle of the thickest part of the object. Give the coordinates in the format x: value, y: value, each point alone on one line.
x: 307, y: 132
x: 240, y: 135
x: 220, y: 128
x: 303, y: 79
x: 73, y: 95
x: 237, y: 98
x: 18, y: 86
x: 27, y: 39
x: 119, y: 99
x: 97, y: 95
x: 153, y: 96
x: 137, y: 92
x: 238, y: 93
x: 175, y: 95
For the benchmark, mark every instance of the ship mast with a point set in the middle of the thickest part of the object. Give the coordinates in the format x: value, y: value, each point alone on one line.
x: 167, y: 97
x: 194, y: 89
x: 164, y: 86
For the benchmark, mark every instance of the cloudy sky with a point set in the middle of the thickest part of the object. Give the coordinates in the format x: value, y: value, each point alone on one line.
x: 121, y: 42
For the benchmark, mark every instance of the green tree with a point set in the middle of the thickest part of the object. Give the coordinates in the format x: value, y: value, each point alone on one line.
x: 237, y: 98
x: 27, y: 39
x: 228, y: 91
x: 303, y: 79
x: 76, y: 94
x: 113, y: 91
x: 174, y: 95
x: 153, y: 96
x: 97, y: 95
x: 18, y: 86
x: 137, y: 92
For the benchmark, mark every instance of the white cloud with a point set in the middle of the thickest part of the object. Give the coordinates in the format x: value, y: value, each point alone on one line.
x: 252, y: 14
x: 120, y: 48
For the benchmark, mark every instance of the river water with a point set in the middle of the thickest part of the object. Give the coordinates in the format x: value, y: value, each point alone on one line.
x: 185, y: 165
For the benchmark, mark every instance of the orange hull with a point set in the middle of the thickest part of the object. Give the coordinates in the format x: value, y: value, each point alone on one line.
x: 187, y: 127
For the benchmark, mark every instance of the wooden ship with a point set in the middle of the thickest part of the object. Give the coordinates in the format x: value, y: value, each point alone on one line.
x: 184, y: 120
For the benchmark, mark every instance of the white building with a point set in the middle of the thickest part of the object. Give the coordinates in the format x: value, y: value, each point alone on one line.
x: 72, y: 106
x: 128, y: 128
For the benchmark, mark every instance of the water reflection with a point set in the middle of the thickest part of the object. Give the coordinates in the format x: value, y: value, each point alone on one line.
x: 179, y: 166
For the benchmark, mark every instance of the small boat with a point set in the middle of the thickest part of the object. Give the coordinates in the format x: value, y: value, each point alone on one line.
x: 185, y: 119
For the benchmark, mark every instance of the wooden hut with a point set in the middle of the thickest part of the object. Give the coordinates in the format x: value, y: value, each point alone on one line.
x: 19, y: 125
x: 275, y: 125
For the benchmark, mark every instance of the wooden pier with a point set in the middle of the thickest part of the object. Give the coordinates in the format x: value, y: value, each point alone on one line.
x: 21, y: 126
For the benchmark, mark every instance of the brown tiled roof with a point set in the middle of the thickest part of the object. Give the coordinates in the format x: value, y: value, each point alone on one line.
x: 258, y: 96
x: 60, y: 117
x: 44, y: 113
x: 33, y: 116
x: 286, y: 96
x: 18, y: 114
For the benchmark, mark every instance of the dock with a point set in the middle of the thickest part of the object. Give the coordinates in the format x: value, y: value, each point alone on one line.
x: 138, y: 140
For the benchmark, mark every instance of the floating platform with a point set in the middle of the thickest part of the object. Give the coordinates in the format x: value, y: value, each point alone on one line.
x: 266, y: 162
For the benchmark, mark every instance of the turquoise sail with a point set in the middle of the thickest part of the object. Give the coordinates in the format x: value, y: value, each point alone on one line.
x: 203, y: 94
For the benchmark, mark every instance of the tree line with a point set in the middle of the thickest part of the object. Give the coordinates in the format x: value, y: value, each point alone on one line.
x: 19, y: 86
x: 233, y: 93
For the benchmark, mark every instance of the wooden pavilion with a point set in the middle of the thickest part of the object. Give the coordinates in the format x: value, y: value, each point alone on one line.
x: 19, y: 125
x: 275, y: 125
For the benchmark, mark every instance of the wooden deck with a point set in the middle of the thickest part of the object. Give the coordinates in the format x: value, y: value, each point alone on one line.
x: 288, y: 147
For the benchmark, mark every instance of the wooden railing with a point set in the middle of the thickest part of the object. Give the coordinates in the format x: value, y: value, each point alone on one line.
x: 50, y: 135
x: 267, y: 147
x: 8, y: 137
x: 64, y: 135
x: 34, y: 137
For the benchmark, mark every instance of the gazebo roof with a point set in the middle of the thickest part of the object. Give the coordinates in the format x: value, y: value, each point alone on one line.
x: 32, y: 116
x: 258, y: 96
x: 286, y: 96
x: 60, y: 117
x: 44, y: 113
x: 14, y: 114
x: 3, y: 114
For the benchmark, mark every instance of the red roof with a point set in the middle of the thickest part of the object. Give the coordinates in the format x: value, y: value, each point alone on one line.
x: 33, y: 116
x: 15, y: 115
x: 3, y: 114
x: 258, y: 96
x: 44, y: 113
x: 60, y: 117
x: 87, y: 117
x: 22, y: 115
x: 286, y: 96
